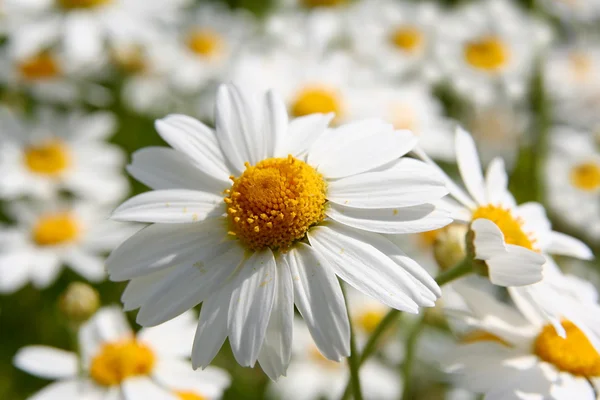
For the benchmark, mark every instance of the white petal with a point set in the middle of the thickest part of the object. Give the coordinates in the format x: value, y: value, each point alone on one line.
x: 46, y: 362
x: 469, y: 165
x: 276, y: 123
x: 99, y: 125
x: 496, y: 183
x: 70, y: 390
x: 488, y: 240
x: 174, y: 338
x: 303, y: 132
x: 188, y: 285
x: 251, y: 303
x: 407, y: 183
x: 91, y: 267
x: 354, y: 257
x: 163, y: 168
x: 170, y: 206
x: 46, y: 268
x: 110, y: 324
x: 138, y: 289
x: 517, y: 267
x: 569, y: 246
x: 142, y: 388
x: 179, y: 375
x: 359, y: 147
x: 14, y: 271
x: 319, y: 298
x: 421, y: 218
x: 276, y: 351
x: 197, y: 141
x: 83, y: 37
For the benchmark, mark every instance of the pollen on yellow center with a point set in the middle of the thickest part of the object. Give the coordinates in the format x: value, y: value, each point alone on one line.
x: 117, y: 361
x: 39, y: 67
x: 370, y: 319
x: 72, y: 4
x: 48, y: 158
x: 586, y: 176
x: 322, y: 3
x: 488, y: 53
x: 316, y: 99
x: 55, y: 229
x: 574, y: 354
x: 273, y: 203
x: 511, y: 227
x: 185, y: 395
x: 407, y: 38
x: 205, y: 43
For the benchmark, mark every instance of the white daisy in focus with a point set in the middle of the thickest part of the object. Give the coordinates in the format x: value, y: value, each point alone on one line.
x: 262, y: 213
x: 58, y: 151
x: 512, y: 354
x: 488, y: 50
x: 312, y: 376
x: 118, y: 363
x: 48, y: 236
x: 398, y: 37
x: 573, y: 179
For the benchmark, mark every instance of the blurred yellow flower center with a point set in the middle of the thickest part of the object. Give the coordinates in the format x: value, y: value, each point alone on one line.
x: 407, y: 38
x: 488, y: 53
x: 205, y: 43
x: 586, y: 176
x: 273, y: 203
x: 50, y: 158
x: 483, y: 336
x: 404, y: 117
x: 511, y: 227
x: 581, y: 65
x: 370, y: 319
x: 55, y: 229
x: 39, y: 67
x: 117, y: 361
x: 130, y: 60
x: 316, y: 99
x: 322, y: 3
x: 574, y: 354
x: 183, y: 395
x: 70, y: 4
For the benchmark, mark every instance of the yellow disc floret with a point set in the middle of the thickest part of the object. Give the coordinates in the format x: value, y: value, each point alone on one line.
x: 55, y: 229
x: 586, y: 176
x: 72, y: 4
x: 42, y: 66
x: 205, y: 43
x: 273, y: 203
x: 117, y: 361
x: 488, y: 53
x: 316, y: 99
x: 185, y: 395
x: 574, y: 354
x: 511, y: 227
x: 407, y: 38
x: 369, y: 319
x: 49, y: 158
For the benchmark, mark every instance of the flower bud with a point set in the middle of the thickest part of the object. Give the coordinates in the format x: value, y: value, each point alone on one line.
x: 79, y: 302
x: 449, y: 247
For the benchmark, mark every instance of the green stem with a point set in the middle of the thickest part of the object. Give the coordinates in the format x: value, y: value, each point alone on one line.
x: 353, y: 361
x: 407, y: 365
x: 463, y: 268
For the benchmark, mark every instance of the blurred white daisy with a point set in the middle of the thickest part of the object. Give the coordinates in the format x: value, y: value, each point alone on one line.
x: 49, y: 235
x: 488, y: 50
x: 312, y: 376
x: 573, y: 11
x: 57, y: 151
x: 512, y: 354
x: 85, y: 29
x: 262, y: 213
x: 397, y: 37
x: 573, y: 179
x: 118, y: 363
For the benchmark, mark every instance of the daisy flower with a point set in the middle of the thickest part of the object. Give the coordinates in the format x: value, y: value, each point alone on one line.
x: 61, y: 152
x: 512, y: 354
x: 488, y: 50
x: 262, y: 213
x: 118, y: 363
x: 312, y: 376
x: 573, y: 179
x: 48, y: 235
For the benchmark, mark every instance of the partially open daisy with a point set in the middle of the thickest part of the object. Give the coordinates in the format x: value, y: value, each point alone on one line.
x: 61, y: 152
x: 514, y: 355
x: 48, y: 236
x: 117, y: 363
x: 262, y: 213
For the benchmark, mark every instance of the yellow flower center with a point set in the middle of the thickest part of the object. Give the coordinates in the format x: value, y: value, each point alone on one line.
x: 55, y: 229
x: 586, y: 176
x: 72, y: 4
x: 483, y: 336
x: 120, y: 360
x: 50, y: 158
x: 41, y: 66
x: 511, y: 227
x: 488, y: 53
x: 322, y: 3
x: 273, y: 203
x: 316, y: 99
x: 369, y: 320
x: 184, y: 395
x: 205, y: 43
x: 427, y: 239
x: 574, y: 354
x: 407, y: 38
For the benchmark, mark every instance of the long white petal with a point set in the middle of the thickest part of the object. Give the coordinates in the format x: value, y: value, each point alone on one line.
x: 275, y: 123
x: 469, y: 165
x: 303, y: 132
x: 496, y: 184
x: 569, y: 246
x: 488, y: 240
x: 517, y: 267
x: 319, y: 298
x: 46, y: 362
